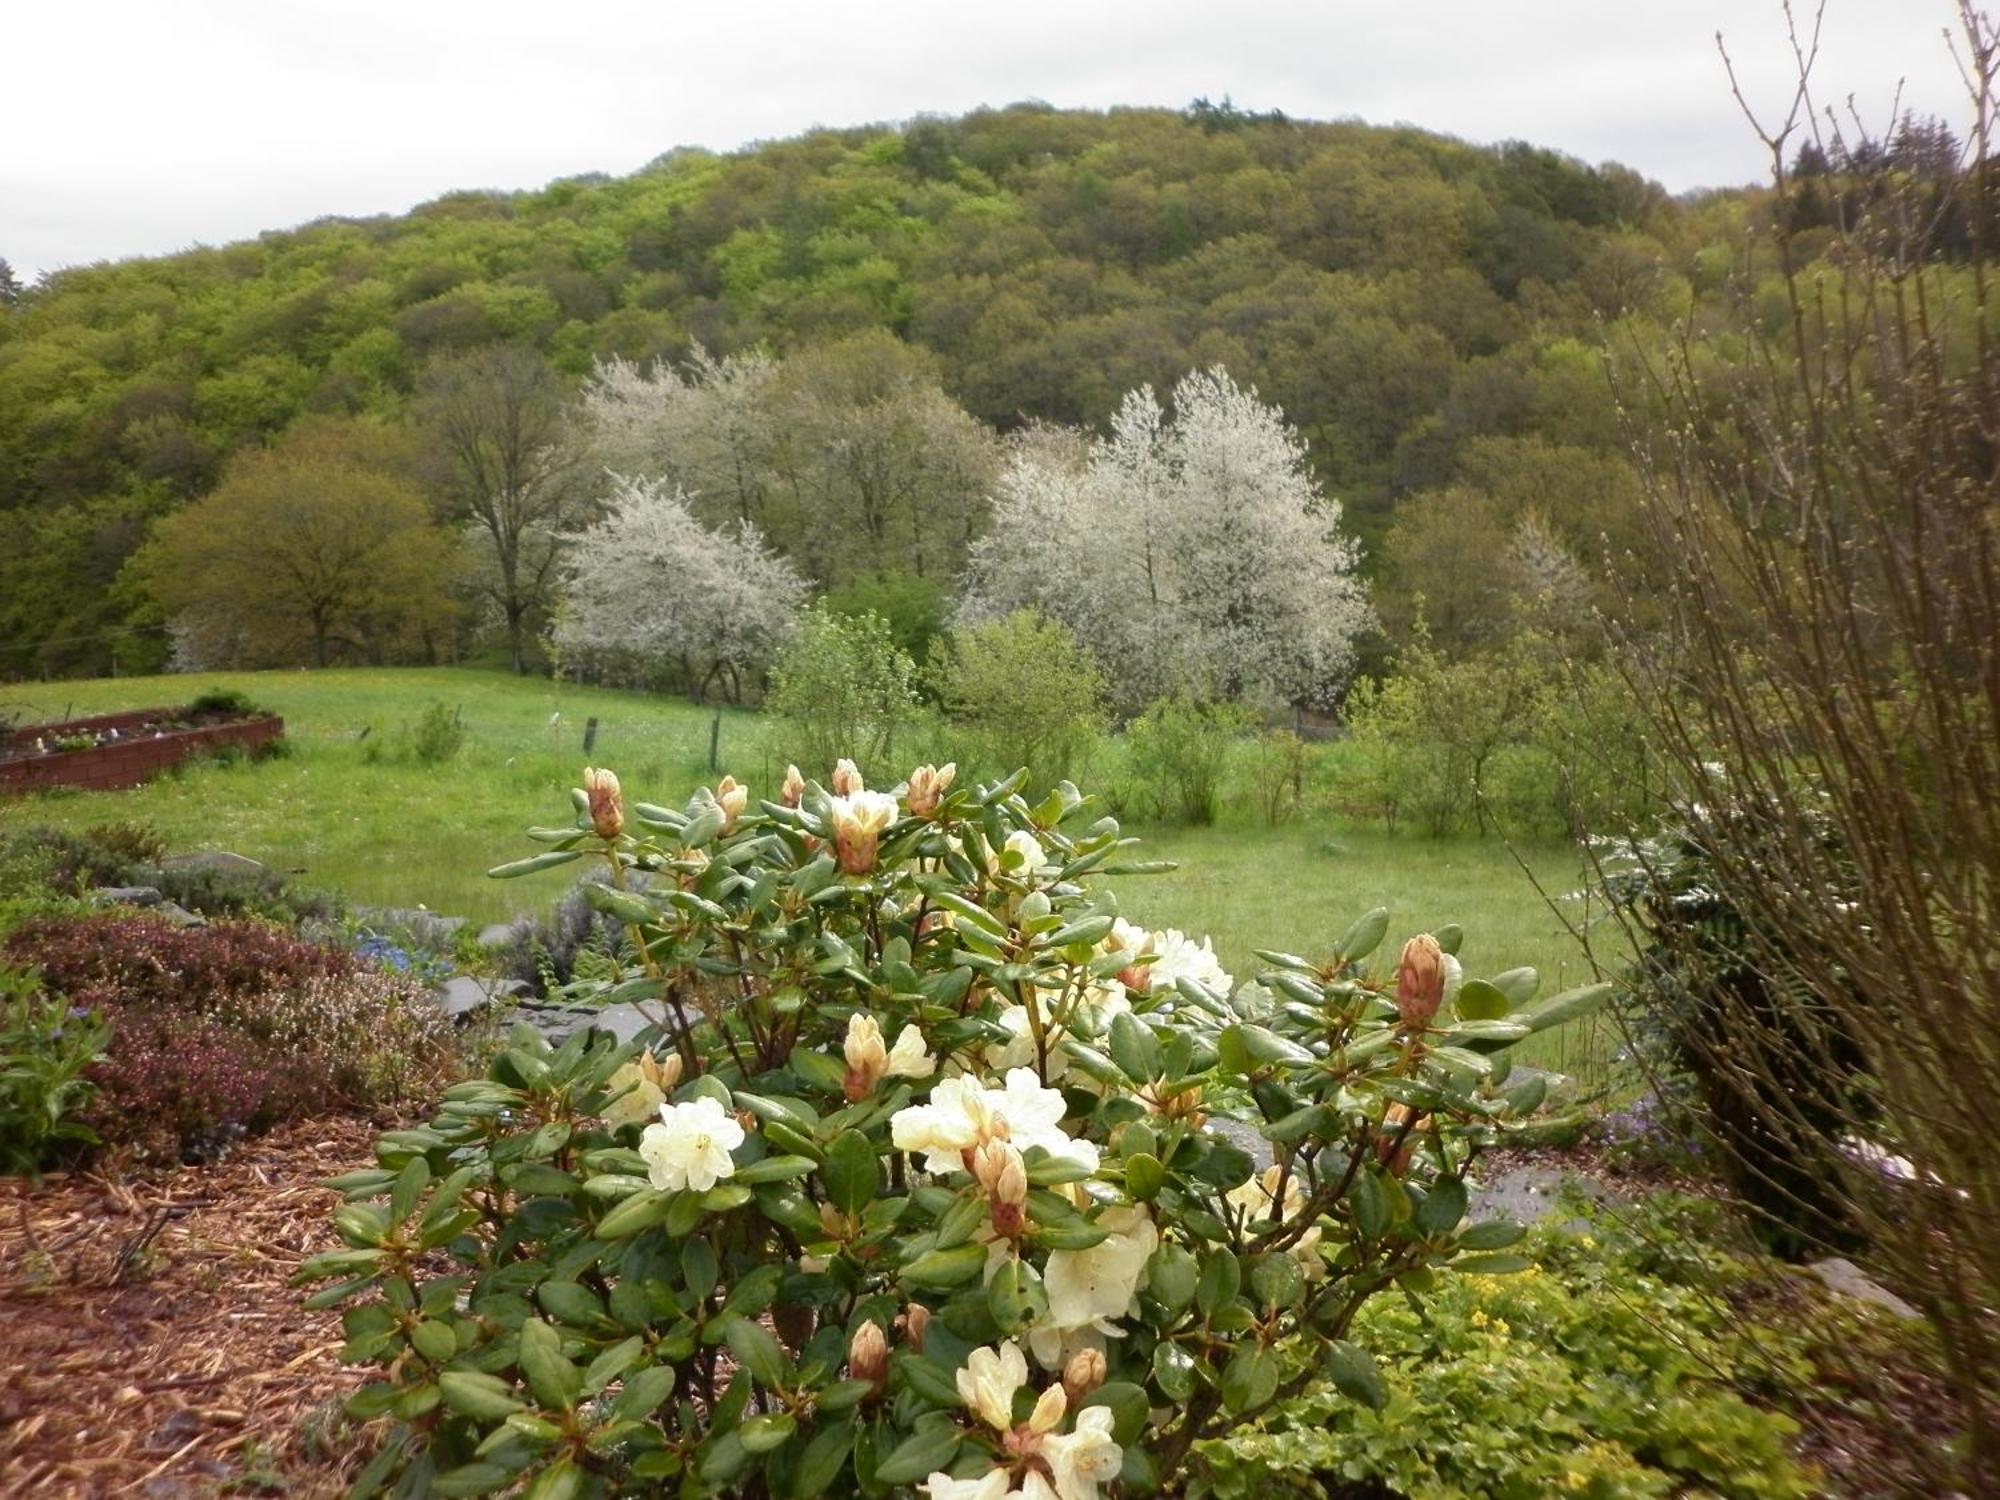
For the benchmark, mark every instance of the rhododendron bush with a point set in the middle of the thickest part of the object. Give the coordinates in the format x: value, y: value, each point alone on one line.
x: 924, y: 1178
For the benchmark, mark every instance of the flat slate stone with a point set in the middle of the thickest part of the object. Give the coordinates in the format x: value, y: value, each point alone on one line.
x: 129, y: 895
x: 558, y: 1023
x: 220, y: 860
x: 179, y: 915
x: 462, y: 995
x: 1844, y: 1278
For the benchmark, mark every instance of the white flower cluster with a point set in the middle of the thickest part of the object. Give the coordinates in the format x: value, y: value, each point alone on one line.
x: 1196, y: 548
x: 688, y: 1150
x: 1049, y: 1464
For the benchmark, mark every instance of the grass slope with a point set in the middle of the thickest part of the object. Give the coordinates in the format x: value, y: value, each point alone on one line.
x: 393, y: 832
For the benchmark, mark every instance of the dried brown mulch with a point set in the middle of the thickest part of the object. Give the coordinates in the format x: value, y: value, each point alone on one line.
x: 150, y: 1341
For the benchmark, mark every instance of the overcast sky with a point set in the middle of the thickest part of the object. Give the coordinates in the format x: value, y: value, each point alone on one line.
x: 137, y: 127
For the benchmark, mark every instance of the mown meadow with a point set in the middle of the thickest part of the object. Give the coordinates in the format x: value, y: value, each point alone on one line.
x: 354, y: 809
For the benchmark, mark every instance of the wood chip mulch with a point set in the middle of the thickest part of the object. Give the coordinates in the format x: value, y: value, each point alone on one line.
x: 150, y: 1342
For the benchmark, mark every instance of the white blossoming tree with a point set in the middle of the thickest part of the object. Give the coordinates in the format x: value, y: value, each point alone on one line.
x: 1194, y: 551
x: 916, y: 1182
x: 654, y: 593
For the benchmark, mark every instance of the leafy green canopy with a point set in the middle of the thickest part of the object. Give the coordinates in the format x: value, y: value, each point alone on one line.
x: 1393, y: 292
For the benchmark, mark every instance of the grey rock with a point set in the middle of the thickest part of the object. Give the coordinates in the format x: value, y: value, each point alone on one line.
x: 179, y: 915
x: 1844, y: 1278
x: 502, y: 934
x: 1245, y: 1138
x: 220, y: 860
x: 622, y: 1021
x: 558, y: 1023
x: 129, y: 895
x: 1525, y: 1194
x: 463, y: 996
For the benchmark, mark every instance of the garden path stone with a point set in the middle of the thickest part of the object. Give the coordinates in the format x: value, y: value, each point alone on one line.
x: 1846, y: 1279
x: 179, y: 915
x: 219, y: 860
x: 557, y: 1023
x: 129, y: 895
x: 1531, y: 1192
x: 462, y: 995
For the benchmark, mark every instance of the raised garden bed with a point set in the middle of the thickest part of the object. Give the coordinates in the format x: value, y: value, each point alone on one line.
x: 124, y: 750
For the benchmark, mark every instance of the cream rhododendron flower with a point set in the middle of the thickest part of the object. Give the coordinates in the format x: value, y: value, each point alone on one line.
x: 607, y: 806
x: 988, y: 1380
x: 858, y: 825
x: 846, y: 778
x: 1030, y: 856
x: 732, y: 798
x: 869, y: 1061
x: 992, y: 1486
x: 688, y: 1150
x: 1258, y: 1195
x: 645, y: 1081
x: 928, y: 784
x: 962, y: 1113
x: 1081, y: 1460
x: 1178, y: 956
x: 1089, y: 1290
x: 793, y: 789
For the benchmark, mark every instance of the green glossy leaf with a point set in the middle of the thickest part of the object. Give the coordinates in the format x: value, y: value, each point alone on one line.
x: 1250, y: 1378
x: 1353, y: 1374
x: 919, y: 1456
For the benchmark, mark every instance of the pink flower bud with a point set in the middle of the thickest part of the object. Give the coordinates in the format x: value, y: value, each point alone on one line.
x: 868, y: 1356
x: 1420, y: 981
x: 607, y: 807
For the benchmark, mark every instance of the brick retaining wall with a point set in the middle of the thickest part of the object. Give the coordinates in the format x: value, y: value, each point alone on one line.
x: 130, y: 762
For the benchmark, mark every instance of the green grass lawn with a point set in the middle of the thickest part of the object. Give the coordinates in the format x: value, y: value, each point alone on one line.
x: 358, y: 816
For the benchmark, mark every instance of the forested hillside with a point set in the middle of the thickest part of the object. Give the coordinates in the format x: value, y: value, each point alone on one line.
x: 1426, y: 313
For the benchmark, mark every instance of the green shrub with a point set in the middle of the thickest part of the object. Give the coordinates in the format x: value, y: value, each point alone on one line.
x: 437, y: 735
x: 907, y: 1181
x: 1610, y: 1369
x: 1021, y: 691
x: 1178, y: 758
x: 45, y: 1047
x: 845, y: 688
x: 912, y: 607
x: 225, y: 703
x: 134, y: 842
x: 1276, y: 766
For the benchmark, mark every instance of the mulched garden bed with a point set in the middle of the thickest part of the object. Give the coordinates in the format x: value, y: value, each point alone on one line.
x: 150, y: 1341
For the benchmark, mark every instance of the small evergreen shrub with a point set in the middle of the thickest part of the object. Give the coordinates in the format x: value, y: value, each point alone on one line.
x: 226, y: 1030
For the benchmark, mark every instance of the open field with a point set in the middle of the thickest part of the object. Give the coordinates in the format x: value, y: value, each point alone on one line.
x: 391, y: 831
